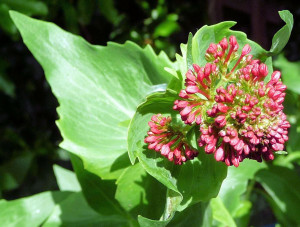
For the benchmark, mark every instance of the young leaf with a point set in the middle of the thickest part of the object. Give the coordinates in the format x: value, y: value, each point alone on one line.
x: 281, y: 37
x: 98, y: 89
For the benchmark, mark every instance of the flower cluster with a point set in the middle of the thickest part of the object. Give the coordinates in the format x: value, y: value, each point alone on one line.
x: 169, y: 141
x: 239, y: 114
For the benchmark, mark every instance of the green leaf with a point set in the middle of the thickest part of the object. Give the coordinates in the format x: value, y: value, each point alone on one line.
x: 74, y: 211
x: 7, y: 25
x: 66, y: 179
x: 98, y: 192
x: 189, y: 53
x: 29, y: 211
x: 145, y: 222
x: 283, y: 186
x: 109, y: 11
x: 236, y: 182
x: 220, y: 213
x: 14, y: 172
x: 290, y: 73
x: 29, y: 7
x: 97, y: 88
x: 166, y: 28
x: 199, y: 214
x: 281, y: 37
x: 215, y: 33
x: 136, y: 195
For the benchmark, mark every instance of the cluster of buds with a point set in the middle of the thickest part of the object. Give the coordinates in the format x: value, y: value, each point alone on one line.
x: 163, y: 138
x: 239, y: 115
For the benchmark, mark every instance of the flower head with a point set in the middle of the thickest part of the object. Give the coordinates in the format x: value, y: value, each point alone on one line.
x: 240, y: 116
x: 163, y: 138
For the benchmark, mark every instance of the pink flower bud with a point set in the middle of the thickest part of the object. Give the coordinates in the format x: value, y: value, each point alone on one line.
x: 223, y: 43
x: 246, y: 50
x: 192, y: 89
x: 219, y: 154
x: 263, y: 70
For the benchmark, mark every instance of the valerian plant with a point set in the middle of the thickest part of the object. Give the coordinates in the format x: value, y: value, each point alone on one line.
x: 139, y: 128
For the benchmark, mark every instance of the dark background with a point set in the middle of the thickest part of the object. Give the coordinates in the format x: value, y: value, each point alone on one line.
x: 29, y: 138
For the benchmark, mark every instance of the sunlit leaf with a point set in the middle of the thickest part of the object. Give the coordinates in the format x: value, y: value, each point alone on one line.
x: 97, y: 88
x: 66, y: 179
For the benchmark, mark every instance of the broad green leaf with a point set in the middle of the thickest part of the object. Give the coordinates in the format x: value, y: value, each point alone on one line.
x: 290, y: 73
x: 74, y: 211
x: 283, y: 186
x: 66, y: 179
x: 98, y: 192
x: 235, y: 184
x: 29, y: 211
x: 281, y: 37
x: 220, y: 213
x: 140, y: 194
x: 98, y: 89
x: 13, y: 173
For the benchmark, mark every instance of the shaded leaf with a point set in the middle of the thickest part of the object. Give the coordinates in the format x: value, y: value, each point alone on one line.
x: 98, y: 192
x: 29, y: 7
x: 283, y: 186
x: 140, y: 194
x: 236, y: 182
x: 13, y: 173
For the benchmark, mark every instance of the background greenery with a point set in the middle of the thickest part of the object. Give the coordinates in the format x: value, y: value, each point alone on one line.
x: 29, y: 137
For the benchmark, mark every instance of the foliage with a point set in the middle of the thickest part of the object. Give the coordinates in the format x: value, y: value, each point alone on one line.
x: 106, y: 96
